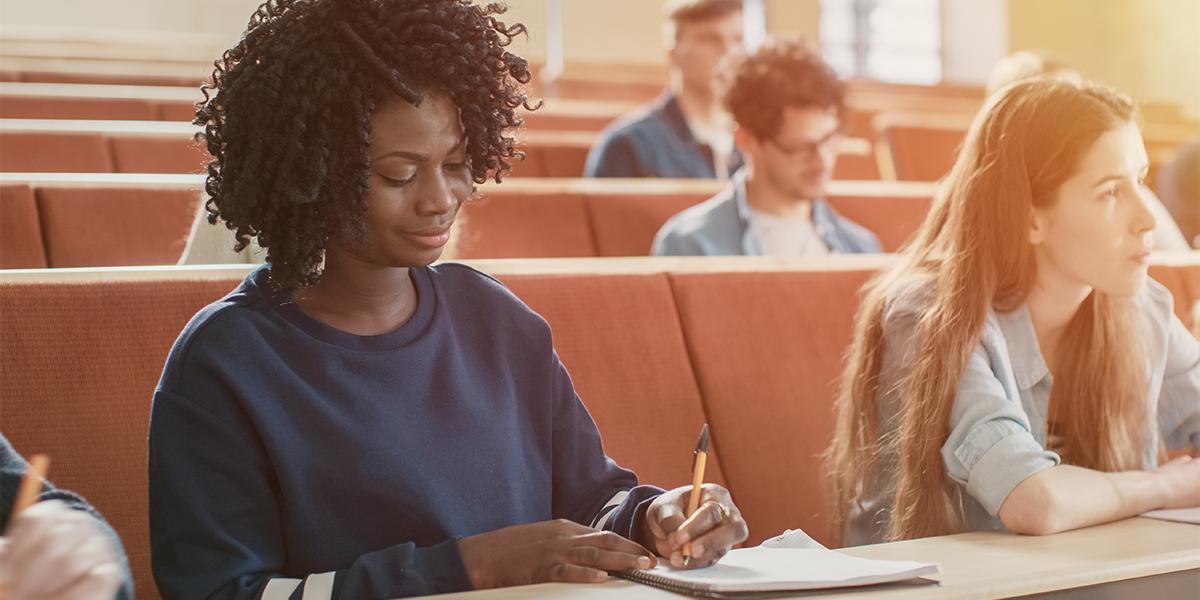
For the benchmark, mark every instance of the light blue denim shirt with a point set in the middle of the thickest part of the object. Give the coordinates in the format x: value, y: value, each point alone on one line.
x: 720, y: 226
x: 997, y: 432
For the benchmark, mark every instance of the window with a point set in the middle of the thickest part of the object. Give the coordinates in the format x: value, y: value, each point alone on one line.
x: 889, y: 40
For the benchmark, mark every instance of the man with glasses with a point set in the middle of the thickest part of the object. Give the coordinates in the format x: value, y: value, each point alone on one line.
x: 789, y: 109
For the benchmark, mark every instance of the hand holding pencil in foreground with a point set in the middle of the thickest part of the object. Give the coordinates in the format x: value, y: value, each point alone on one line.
x: 50, y: 550
x: 693, y: 526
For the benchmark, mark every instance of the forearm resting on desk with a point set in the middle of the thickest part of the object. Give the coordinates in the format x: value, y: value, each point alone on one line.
x: 1068, y: 497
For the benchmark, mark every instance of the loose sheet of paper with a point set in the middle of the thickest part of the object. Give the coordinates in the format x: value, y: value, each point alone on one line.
x: 766, y: 568
x: 1181, y: 515
x: 792, y: 538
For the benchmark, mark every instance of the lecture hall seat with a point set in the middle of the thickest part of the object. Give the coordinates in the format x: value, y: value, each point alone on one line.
x: 513, y: 225
x: 150, y: 154
x: 767, y: 349
x: 625, y: 224
x: 626, y: 324
x: 922, y: 153
x: 33, y: 107
x: 80, y: 387
x: 21, y: 245
x: 43, y: 152
x: 88, y: 224
x: 86, y: 227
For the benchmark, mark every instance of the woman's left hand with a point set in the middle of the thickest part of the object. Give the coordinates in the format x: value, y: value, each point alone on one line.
x: 712, y: 530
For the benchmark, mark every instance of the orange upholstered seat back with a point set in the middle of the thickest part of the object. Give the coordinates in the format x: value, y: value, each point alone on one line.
x: 892, y: 219
x: 21, y: 244
x: 922, y: 153
x: 767, y: 349
x: 41, y: 152
x: 503, y: 225
x: 42, y: 107
x: 1184, y: 283
x: 152, y: 154
x: 86, y: 227
x: 619, y: 337
x: 625, y: 224
x: 77, y: 375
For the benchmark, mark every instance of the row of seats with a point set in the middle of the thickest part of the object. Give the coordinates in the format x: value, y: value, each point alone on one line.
x: 71, y: 146
x: 62, y: 57
x: 88, y: 220
x: 922, y: 146
x: 155, y: 103
x: 591, y: 81
x: 139, y: 102
x: 621, y: 220
x: 146, y: 103
x: 90, y: 101
x: 68, y: 226
x: 751, y: 346
x: 63, y: 146
x: 908, y: 147
x: 102, y: 71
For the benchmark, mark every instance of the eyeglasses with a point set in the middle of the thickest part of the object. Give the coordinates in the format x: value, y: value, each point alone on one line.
x: 808, y: 150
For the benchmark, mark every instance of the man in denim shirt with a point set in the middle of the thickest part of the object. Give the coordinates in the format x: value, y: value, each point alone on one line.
x: 789, y: 108
x: 686, y: 133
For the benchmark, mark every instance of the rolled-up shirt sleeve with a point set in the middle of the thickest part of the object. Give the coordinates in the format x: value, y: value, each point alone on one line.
x: 1179, y: 400
x: 990, y: 448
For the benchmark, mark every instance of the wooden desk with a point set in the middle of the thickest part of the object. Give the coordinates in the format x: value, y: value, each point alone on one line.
x: 974, y: 565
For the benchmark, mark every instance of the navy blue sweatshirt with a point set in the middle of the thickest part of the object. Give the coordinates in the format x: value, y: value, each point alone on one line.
x: 288, y: 457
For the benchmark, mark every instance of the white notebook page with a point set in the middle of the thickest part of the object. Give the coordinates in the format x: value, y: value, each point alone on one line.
x: 1182, y: 515
x: 763, y: 569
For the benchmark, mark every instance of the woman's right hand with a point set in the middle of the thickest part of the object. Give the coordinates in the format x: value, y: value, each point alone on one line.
x: 558, y: 550
x: 1180, y: 481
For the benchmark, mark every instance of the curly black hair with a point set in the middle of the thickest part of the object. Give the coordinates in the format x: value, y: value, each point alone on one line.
x: 287, y: 115
x: 780, y: 74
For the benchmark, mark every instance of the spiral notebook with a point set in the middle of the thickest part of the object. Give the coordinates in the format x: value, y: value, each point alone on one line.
x: 766, y: 569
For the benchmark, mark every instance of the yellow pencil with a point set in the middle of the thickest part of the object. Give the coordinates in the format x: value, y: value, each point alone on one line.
x: 31, y: 483
x: 701, y: 457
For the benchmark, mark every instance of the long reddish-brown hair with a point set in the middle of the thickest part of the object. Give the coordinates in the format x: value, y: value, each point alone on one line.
x: 973, y: 250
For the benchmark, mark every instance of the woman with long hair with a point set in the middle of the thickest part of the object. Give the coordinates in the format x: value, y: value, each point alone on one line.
x: 353, y: 421
x: 1016, y: 369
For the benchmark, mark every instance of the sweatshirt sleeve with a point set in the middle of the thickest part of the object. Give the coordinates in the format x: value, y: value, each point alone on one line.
x: 215, y: 528
x: 589, y: 487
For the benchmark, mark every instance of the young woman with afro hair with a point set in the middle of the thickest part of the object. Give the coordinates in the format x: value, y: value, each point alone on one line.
x: 352, y: 422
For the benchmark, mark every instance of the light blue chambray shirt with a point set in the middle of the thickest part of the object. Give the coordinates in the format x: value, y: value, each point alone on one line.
x: 720, y: 226
x: 998, y: 421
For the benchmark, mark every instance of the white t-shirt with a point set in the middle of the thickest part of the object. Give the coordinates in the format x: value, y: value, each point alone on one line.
x: 782, y: 236
x: 213, y: 244
x: 721, y: 144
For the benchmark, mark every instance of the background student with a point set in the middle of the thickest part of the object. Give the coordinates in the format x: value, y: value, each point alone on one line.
x: 351, y: 422
x: 685, y: 133
x: 790, y: 111
x: 1017, y: 369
